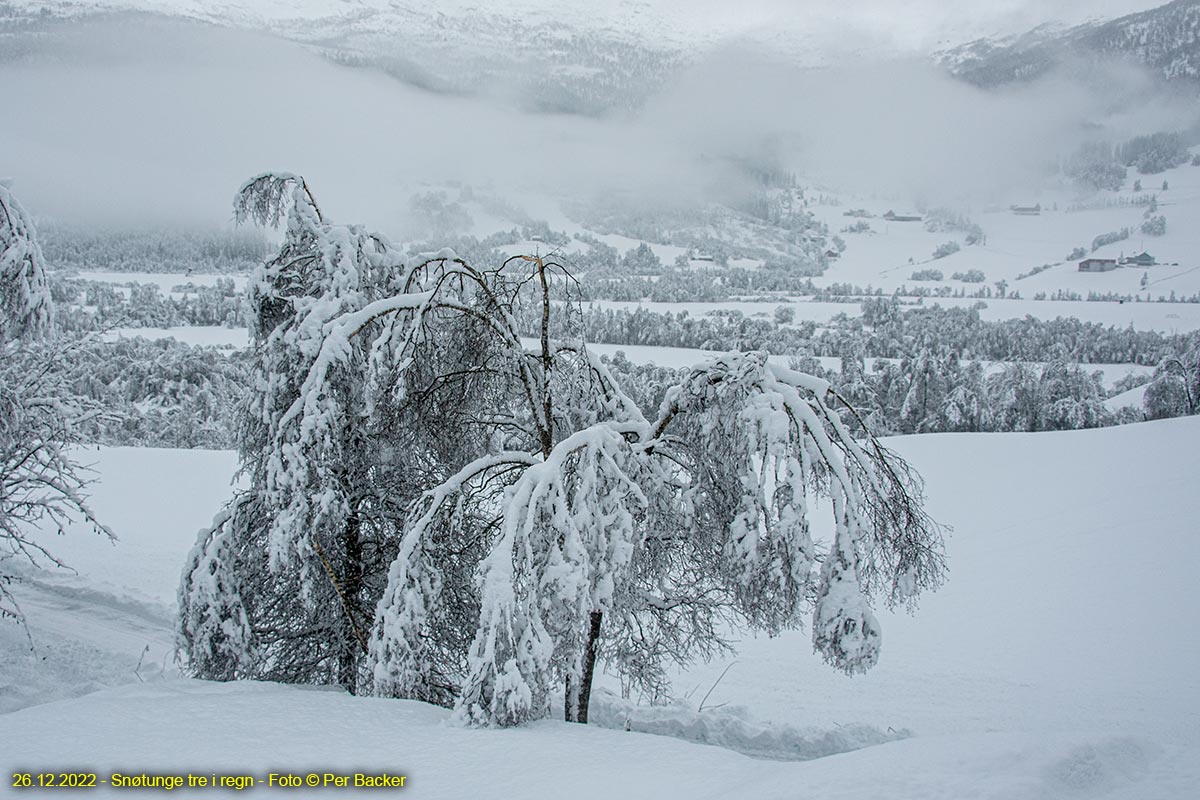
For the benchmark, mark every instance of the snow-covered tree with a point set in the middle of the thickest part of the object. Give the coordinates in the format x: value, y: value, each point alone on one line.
x: 641, y: 260
x: 1015, y: 398
x: 1175, y: 388
x: 965, y: 406
x: 213, y: 612
x: 304, y: 449
x: 535, y: 521
x: 25, y: 306
x: 1071, y: 398
x: 1155, y: 225
x: 930, y: 378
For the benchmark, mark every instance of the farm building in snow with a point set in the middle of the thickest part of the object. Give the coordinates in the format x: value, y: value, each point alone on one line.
x: 892, y: 216
x: 1098, y: 265
x: 1140, y: 260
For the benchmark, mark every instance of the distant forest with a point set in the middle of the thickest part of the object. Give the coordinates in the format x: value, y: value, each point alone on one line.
x: 931, y: 377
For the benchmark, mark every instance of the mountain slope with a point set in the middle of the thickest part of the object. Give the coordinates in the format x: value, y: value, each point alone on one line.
x: 1165, y: 39
x: 545, y: 56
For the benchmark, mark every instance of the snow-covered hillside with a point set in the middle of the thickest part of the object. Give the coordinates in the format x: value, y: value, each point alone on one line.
x: 1027, y: 252
x: 1163, y: 39
x: 94, y: 625
x: 683, y: 22
x: 1017, y: 244
x: 1055, y: 663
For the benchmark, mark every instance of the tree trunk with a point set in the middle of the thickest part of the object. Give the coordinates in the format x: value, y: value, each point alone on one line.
x: 571, y: 700
x: 351, y: 648
x: 579, y: 695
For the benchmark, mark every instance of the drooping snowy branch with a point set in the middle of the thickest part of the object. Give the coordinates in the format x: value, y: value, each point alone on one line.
x: 41, y: 483
x: 213, y: 629
x: 403, y: 658
x: 844, y: 629
x: 759, y: 440
x: 569, y: 531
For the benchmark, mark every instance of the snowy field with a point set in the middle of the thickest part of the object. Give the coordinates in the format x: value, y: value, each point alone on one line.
x: 1016, y: 243
x: 1057, y: 661
x: 205, y: 335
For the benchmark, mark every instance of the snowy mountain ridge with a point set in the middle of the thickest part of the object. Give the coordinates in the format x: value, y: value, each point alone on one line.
x: 570, y: 62
x: 820, y: 33
x: 1165, y: 39
x: 635, y: 19
x: 593, y: 59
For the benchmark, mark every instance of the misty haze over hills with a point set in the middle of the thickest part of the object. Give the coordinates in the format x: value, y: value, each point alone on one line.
x: 625, y: 104
x: 595, y: 58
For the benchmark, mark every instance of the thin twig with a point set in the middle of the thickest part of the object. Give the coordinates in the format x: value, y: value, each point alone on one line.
x: 714, y: 686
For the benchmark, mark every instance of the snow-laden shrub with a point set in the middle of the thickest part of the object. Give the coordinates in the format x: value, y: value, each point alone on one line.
x: 946, y: 249
x: 1155, y: 225
x: 926, y: 275
x: 1109, y: 238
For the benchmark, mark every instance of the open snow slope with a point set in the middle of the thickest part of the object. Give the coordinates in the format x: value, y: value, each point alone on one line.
x: 1057, y: 662
x: 1068, y: 606
x: 1016, y: 244
x: 92, y: 627
x: 256, y: 729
